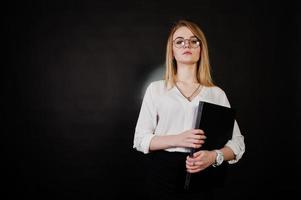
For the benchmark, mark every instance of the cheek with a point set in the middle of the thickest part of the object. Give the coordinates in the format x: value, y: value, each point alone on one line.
x: 175, y: 53
x: 198, y: 53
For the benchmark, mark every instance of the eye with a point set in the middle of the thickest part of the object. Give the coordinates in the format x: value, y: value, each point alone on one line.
x: 194, y: 41
x: 179, y: 41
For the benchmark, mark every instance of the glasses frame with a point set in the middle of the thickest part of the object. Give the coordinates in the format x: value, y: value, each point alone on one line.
x: 187, y: 40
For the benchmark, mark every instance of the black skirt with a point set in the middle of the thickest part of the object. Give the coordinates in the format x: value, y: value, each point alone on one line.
x: 166, y: 174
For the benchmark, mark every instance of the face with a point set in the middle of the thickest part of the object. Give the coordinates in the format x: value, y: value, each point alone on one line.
x: 186, y: 47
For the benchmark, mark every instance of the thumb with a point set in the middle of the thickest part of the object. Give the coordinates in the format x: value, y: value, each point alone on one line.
x: 196, y: 154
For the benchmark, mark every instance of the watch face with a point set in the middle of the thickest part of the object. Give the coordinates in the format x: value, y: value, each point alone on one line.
x: 220, y: 158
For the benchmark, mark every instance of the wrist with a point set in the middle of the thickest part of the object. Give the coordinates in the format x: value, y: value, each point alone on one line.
x: 213, y: 157
x: 172, y: 141
x: 219, y: 158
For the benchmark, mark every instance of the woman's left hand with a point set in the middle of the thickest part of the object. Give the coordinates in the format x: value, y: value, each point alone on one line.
x: 200, y: 161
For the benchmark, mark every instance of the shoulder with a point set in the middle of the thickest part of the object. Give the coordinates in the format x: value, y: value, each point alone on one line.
x: 216, y: 95
x: 155, y: 90
x: 157, y: 86
x: 215, y: 91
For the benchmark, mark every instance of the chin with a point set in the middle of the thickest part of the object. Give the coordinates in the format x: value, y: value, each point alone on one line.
x: 188, y: 62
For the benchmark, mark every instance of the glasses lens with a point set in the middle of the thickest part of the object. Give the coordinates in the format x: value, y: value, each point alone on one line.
x: 179, y: 42
x: 194, y: 42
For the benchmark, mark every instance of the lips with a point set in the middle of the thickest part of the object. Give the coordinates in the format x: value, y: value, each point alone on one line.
x: 187, y: 53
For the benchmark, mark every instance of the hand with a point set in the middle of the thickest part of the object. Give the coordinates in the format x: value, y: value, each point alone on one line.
x: 200, y: 161
x: 193, y: 138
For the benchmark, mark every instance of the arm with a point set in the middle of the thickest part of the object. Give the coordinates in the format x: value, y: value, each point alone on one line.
x: 146, y: 122
x: 232, y: 151
x: 236, y: 143
x: 193, y: 138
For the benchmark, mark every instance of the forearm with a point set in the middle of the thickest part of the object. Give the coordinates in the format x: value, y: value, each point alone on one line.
x: 193, y: 138
x: 228, y: 153
x: 161, y: 142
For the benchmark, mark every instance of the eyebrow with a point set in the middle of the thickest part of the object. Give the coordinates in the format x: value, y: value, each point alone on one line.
x: 183, y: 37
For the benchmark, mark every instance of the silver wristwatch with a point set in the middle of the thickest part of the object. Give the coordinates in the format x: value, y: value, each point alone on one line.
x: 219, y: 158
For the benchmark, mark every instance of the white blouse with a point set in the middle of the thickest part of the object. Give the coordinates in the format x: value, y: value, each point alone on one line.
x: 167, y: 112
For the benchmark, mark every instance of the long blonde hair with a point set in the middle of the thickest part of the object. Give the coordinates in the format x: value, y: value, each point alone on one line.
x: 203, y: 74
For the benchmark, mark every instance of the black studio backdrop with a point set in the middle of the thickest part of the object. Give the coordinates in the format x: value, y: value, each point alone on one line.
x: 74, y: 75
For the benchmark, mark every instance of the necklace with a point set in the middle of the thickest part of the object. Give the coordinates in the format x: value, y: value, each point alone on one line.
x: 189, y: 98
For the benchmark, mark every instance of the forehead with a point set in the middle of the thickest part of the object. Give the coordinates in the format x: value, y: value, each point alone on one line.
x: 183, y: 32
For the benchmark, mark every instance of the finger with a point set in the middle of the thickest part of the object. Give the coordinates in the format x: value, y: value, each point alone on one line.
x: 194, y: 170
x: 191, y: 161
x: 192, y: 166
x: 197, y: 131
x: 192, y: 145
x: 199, y: 163
x: 197, y: 137
x: 195, y: 146
x: 195, y: 141
x: 198, y: 153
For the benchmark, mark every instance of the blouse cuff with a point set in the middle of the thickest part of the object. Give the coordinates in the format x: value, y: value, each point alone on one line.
x: 238, y: 151
x: 145, y: 143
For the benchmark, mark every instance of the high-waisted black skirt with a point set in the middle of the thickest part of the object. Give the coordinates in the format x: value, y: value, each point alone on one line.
x: 166, y: 174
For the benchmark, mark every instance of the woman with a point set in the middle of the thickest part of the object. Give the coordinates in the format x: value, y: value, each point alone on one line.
x: 165, y: 127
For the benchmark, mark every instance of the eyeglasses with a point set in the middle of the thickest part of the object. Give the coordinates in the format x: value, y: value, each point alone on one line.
x: 180, y: 42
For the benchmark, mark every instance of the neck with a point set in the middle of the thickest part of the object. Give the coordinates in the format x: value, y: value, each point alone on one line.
x: 186, y: 73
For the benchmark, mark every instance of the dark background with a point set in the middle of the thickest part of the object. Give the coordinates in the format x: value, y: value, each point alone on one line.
x: 74, y: 74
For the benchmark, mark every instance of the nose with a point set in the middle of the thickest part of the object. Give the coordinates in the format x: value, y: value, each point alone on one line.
x: 186, y: 43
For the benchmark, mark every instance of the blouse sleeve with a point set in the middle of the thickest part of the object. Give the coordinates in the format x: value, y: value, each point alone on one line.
x: 146, y: 122
x: 237, y: 141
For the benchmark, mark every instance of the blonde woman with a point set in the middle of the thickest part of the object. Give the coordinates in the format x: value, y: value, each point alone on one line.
x: 165, y: 126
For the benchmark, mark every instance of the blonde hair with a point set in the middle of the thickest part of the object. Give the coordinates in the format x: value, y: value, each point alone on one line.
x: 203, y: 74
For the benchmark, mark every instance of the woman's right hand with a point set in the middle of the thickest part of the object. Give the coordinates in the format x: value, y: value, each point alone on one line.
x: 193, y: 138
